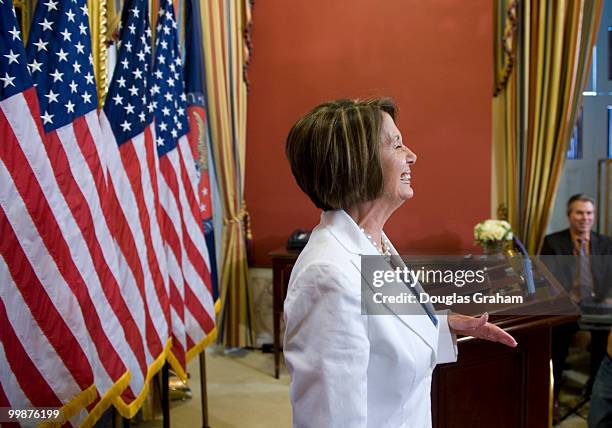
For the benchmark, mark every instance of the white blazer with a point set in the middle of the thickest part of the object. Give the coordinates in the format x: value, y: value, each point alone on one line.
x: 348, y: 369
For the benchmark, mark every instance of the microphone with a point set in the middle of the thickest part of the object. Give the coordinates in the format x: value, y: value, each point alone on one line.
x: 527, y: 267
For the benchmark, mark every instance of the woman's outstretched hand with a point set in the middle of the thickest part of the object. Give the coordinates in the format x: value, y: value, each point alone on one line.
x: 480, y: 328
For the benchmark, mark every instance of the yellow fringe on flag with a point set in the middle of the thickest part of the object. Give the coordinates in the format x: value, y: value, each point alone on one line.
x: 176, y: 366
x: 129, y: 410
x: 107, y: 400
x: 210, y: 337
x: 68, y: 410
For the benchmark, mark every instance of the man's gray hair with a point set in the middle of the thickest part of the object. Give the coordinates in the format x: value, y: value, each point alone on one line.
x: 583, y: 197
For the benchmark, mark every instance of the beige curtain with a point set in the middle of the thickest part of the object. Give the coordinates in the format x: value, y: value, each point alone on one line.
x: 225, y: 25
x: 535, y: 107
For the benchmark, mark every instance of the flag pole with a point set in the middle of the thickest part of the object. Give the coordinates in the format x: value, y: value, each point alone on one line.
x: 165, y: 398
x: 203, y: 390
x: 125, y: 422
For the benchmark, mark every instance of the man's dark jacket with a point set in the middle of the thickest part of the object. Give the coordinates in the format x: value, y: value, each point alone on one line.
x: 560, y: 244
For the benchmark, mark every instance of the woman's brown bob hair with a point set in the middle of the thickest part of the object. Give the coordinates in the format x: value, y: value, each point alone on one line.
x: 334, y: 152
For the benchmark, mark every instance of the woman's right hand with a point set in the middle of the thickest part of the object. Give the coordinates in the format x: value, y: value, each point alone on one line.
x: 480, y: 328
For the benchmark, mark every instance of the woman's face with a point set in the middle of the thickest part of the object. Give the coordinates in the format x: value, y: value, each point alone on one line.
x: 396, y: 161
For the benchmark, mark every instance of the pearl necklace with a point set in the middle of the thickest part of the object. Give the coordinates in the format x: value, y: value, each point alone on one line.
x: 385, y: 245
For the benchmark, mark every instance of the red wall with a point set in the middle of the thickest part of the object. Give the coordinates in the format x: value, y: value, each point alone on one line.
x: 433, y: 57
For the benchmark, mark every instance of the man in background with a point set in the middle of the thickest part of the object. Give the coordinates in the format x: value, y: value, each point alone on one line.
x: 586, y: 277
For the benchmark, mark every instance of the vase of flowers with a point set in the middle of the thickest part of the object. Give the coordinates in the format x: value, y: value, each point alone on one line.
x: 492, y: 235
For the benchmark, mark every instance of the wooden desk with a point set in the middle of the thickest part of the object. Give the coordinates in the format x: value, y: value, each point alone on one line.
x: 282, y: 263
x: 490, y: 385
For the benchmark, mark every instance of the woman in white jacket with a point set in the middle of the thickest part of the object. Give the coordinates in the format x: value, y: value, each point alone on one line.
x: 349, y: 369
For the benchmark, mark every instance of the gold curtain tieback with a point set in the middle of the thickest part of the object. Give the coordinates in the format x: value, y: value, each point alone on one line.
x: 243, y: 218
x: 237, y: 218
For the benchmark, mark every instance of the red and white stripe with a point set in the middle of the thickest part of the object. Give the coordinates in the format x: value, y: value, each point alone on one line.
x: 79, y: 150
x: 199, y: 305
x: 59, y: 333
x: 134, y: 207
x: 172, y: 234
x: 188, y: 260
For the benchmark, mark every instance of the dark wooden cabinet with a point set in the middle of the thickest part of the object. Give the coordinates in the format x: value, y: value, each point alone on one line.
x: 282, y: 263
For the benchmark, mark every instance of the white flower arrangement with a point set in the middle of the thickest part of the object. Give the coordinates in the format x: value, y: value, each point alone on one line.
x: 489, y: 232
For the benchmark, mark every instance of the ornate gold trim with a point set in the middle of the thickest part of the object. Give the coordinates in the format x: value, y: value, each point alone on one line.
x: 504, y: 43
x: 98, y: 24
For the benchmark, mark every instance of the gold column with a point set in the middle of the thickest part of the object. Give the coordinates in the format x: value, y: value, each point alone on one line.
x: 98, y: 24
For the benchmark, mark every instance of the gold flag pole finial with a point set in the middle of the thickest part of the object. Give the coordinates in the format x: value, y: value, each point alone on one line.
x: 98, y: 24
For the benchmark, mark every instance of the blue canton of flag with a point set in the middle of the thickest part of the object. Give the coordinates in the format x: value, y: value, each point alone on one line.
x: 168, y: 88
x: 126, y: 102
x: 61, y: 62
x: 14, y: 77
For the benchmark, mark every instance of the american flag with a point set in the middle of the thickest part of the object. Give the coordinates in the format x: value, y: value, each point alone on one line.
x: 198, y: 136
x: 61, y: 331
x: 96, y: 243
x: 190, y: 285
x: 132, y: 164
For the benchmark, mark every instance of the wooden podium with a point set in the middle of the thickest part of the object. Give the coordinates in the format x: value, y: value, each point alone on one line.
x: 490, y: 385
